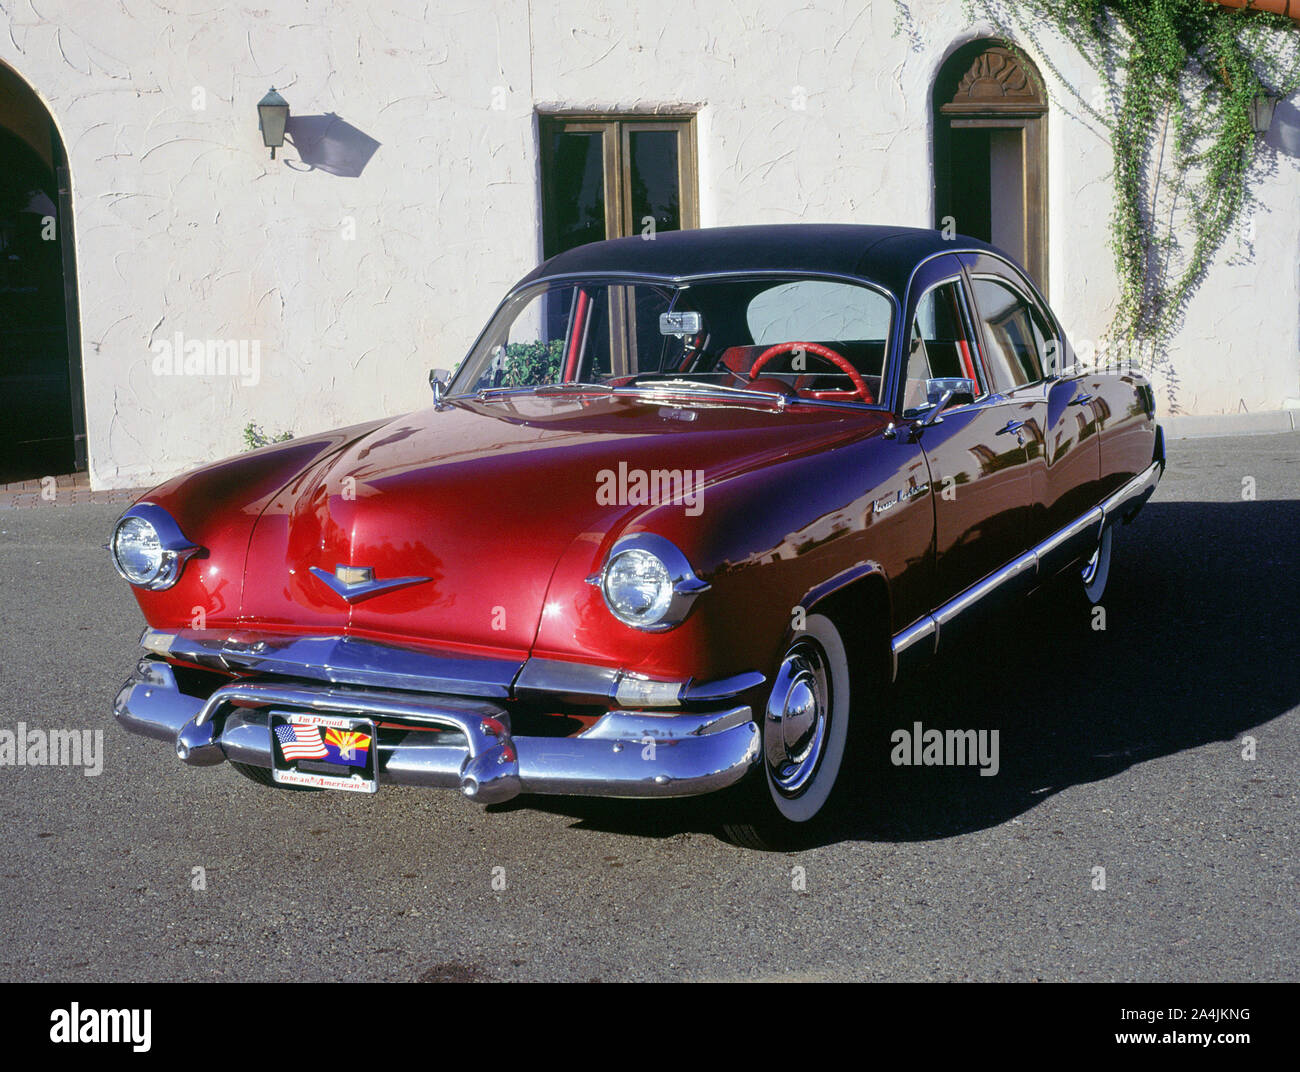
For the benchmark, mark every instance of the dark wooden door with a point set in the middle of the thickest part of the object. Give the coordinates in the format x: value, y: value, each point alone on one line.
x: 990, y: 152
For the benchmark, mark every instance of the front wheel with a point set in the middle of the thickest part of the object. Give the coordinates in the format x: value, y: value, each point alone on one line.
x: 803, y: 731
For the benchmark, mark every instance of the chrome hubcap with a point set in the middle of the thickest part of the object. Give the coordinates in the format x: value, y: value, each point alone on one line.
x: 798, y: 713
x: 1090, y: 569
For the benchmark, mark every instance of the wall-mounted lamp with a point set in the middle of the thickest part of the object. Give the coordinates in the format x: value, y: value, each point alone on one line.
x: 1261, y: 112
x: 272, y: 116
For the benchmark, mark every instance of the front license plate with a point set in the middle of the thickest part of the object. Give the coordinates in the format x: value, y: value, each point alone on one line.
x: 324, y: 751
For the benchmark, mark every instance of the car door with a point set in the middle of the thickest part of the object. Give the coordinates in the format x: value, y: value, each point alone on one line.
x: 1028, y: 355
x: 978, y: 464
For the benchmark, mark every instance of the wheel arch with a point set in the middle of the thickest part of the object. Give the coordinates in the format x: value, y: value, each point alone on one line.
x: 858, y: 602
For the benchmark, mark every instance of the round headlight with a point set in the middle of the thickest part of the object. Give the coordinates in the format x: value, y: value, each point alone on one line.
x: 148, y: 547
x: 648, y: 583
x: 138, y: 551
x: 637, y: 587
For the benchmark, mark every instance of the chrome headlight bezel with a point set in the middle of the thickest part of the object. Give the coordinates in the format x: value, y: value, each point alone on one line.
x: 174, y: 550
x: 680, y: 586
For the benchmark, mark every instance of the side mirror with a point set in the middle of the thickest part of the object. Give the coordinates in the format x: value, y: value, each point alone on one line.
x: 942, y: 392
x: 439, y: 381
x: 950, y: 390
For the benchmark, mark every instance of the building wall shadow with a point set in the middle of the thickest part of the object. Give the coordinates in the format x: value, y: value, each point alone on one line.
x: 329, y: 143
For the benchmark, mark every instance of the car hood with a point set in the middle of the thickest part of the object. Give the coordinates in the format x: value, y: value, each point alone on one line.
x: 472, y: 504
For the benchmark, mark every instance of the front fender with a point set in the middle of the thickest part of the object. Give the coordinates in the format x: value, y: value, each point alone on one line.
x: 216, y: 507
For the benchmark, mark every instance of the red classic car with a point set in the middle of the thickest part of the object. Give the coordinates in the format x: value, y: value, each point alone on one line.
x: 683, y: 498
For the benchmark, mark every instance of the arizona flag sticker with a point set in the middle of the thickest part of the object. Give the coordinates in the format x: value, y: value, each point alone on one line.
x: 347, y: 746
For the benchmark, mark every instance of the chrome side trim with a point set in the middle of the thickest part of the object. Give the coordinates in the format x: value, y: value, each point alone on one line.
x: 1132, y: 496
x: 913, y: 644
x: 1063, y: 546
x: 923, y: 636
x: 724, y: 688
x: 1018, y: 572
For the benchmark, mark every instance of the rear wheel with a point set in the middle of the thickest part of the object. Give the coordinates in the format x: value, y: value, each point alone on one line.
x: 262, y: 776
x: 1096, y: 571
x: 803, y: 730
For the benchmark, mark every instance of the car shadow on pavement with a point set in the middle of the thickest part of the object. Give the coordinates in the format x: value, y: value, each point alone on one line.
x: 1200, y: 645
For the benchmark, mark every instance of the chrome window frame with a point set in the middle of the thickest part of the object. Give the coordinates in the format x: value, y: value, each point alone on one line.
x: 972, y: 336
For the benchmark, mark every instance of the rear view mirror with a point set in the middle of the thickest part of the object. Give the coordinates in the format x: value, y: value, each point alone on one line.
x: 680, y: 323
x: 438, y: 380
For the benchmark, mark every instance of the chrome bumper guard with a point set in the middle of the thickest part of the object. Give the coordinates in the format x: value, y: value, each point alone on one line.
x: 623, y: 754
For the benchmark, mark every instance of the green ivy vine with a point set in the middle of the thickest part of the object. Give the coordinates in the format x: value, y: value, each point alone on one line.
x: 1176, y: 79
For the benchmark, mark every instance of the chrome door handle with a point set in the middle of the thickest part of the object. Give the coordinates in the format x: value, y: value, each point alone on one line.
x: 1012, y: 426
x: 1080, y: 400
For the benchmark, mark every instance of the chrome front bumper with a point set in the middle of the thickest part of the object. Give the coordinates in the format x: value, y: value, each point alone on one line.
x: 453, y: 742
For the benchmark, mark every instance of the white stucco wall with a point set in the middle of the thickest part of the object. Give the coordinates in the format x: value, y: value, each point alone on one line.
x: 185, y: 225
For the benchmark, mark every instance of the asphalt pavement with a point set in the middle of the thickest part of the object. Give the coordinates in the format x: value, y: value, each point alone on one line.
x: 1121, y: 749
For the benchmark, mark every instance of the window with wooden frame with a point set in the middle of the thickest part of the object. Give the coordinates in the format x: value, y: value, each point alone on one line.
x: 611, y: 176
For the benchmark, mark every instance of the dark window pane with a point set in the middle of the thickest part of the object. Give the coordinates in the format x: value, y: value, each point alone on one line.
x: 653, y: 174
x: 654, y: 352
x: 577, y: 190
x: 1013, y: 343
x: 938, y: 347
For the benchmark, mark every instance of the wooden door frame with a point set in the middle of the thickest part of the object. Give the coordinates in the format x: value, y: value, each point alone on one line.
x: 986, y: 85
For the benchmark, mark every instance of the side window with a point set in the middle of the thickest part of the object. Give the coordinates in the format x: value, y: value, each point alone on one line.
x: 939, y: 348
x: 1016, y: 342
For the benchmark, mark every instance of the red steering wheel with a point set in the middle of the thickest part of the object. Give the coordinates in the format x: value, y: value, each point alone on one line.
x: 860, y: 388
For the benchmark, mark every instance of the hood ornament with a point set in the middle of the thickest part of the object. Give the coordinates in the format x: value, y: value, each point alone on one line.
x: 355, y: 583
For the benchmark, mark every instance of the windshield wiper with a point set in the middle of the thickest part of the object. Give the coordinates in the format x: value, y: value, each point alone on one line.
x: 559, y: 388
x: 700, y: 387
x: 486, y: 393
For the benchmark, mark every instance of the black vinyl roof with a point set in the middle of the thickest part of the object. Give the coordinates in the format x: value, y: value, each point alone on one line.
x: 886, y: 255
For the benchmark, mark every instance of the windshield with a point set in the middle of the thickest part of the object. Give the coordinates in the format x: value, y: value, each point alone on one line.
x: 832, y: 337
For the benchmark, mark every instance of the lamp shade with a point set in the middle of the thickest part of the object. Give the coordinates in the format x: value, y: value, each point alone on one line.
x: 272, y: 116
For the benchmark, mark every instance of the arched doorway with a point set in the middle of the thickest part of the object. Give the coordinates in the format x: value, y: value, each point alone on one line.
x: 42, y: 410
x: 990, y: 151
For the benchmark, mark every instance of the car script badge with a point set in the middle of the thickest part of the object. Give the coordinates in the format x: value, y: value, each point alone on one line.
x: 355, y: 583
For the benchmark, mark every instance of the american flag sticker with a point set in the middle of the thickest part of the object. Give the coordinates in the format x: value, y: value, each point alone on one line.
x: 300, y: 742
